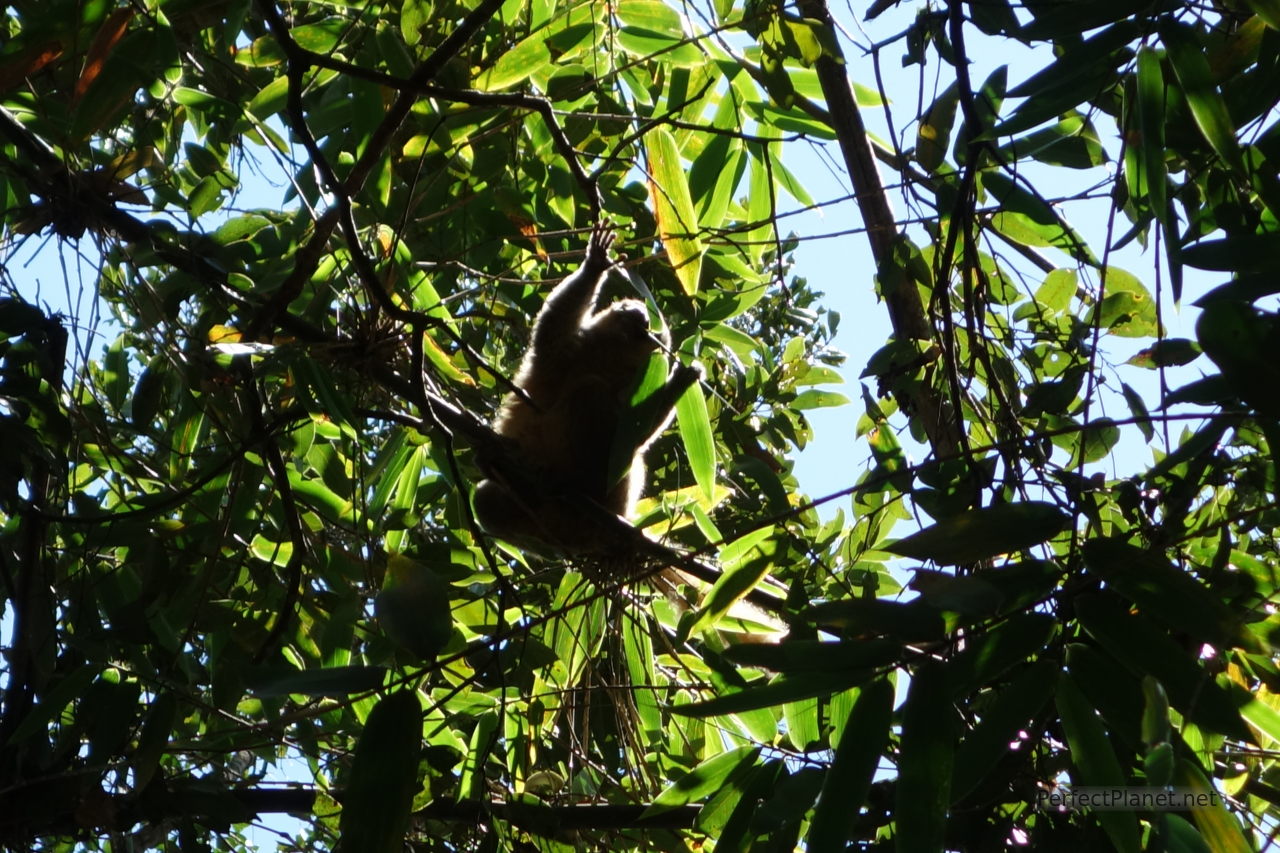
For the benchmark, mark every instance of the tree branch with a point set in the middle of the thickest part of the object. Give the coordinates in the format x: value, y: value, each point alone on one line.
x: 906, y: 311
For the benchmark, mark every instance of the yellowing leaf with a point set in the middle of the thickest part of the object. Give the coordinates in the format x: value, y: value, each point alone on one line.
x: 673, y: 208
x: 220, y: 334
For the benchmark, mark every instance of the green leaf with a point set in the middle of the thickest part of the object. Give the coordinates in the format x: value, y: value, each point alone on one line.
x: 805, y: 725
x: 1077, y: 60
x: 1236, y: 253
x: 415, y: 15
x: 675, y: 50
x: 189, y: 97
x: 791, y: 184
x: 925, y: 764
x: 115, y: 373
x: 1181, y: 836
x: 673, y: 207
x: 776, y: 692
x: 1110, y: 688
x: 332, y: 681
x: 813, y: 398
x: 1261, y: 715
x: 857, y: 756
x: 638, y: 648
x: 933, y: 135
x: 242, y: 227
x: 1234, y: 335
x: 1249, y: 287
x: 1057, y: 290
x: 528, y: 58
x: 1012, y: 707
x: 724, y: 769
x: 1187, y: 56
x: 1146, y: 649
x: 1072, y: 142
x: 1213, y: 390
x: 315, y: 494
x: 900, y: 356
x: 1097, y: 439
x: 982, y: 533
x: 404, y: 497
x: 1127, y: 309
x: 990, y: 653
x: 745, y: 561
x: 699, y: 445
x: 1218, y: 826
x: 971, y: 595
x: 912, y: 622
x: 1158, y: 763
x: 1023, y: 584
x: 321, y: 37
x: 1079, y: 73
x: 1267, y: 10
x: 650, y: 15
x: 413, y: 607
x: 1155, y: 715
x: 1150, y: 156
x: 716, y: 172
x: 1204, y: 441
x: 383, y: 780
x: 1170, y: 352
x: 1138, y: 408
x: 789, y: 120
x: 1026, y: 218
x: 1053, y: 21
x: 1163, y: 590
x: 1095, y: 761
x: 1150, y: 120
x: 1244, y: 343
x: 800, y: 656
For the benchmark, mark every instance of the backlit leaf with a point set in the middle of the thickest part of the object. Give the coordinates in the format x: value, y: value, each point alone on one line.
x: 981, y: 533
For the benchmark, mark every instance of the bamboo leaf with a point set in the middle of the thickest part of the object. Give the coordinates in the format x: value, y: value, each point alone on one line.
x: 384, y: 777
x: 982, y: 533
x: 673, y: 207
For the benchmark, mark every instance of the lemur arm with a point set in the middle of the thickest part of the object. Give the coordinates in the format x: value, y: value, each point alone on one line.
x: 653, y: 412
x: 646, y: 419
x: 573, y: 300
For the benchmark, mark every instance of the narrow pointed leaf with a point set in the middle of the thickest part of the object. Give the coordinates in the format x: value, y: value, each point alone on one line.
x: 694, y: 424
x: 1187, y: 56
x: 1015, y: 704
x: 785, y: 689
x: 982, y: 533
x: 707, y: 778
x: 673, y: 208
x: 1095, y: 761
x: 989, y: 654
x: 1146, y: 649
x: 849, y: 778
x: 925, y: 764
x: 331, y: 681
x: 384, y: 777
x: 1162, y: 590
x: 1220, y: 830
